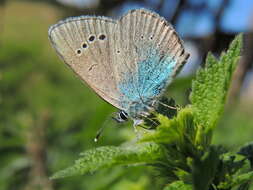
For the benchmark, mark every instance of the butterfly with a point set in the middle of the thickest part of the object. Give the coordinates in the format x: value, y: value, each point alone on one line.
x: 128, y: 62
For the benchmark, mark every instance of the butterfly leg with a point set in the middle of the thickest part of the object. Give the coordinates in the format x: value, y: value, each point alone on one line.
x: 165, y: 105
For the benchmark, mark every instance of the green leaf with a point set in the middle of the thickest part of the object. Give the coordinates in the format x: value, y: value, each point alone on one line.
x: 183, y: 175
x: 204, y: 168
x: 210, y: 88
x: 244, y: 186
x: 229, y: 166
x: 247, y: 151
x: 178, y: 185
x: 237, y: 180
x: 172, y: 130
x: 109, y: 156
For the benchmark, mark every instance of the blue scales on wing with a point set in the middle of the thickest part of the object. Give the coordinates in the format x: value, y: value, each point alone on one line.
x: 142, y: 87
x: 154, y: 74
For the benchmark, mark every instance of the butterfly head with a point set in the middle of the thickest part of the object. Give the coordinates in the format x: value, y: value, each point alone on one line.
x: 121, y: 116
x: 136, y: 111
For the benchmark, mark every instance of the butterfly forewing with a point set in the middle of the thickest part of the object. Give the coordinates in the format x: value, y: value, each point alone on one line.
x: 86, y: 45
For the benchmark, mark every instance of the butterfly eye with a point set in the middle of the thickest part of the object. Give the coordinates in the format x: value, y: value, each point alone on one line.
x: 118, y: 51
x: 91, y: 38
x: 151, y: 37
x: 123, y: 115
x: 78, y: 52
x: 102, y: 37
x: 142, y: 37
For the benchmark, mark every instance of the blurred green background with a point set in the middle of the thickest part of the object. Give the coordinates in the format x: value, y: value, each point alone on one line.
x: 47, y: 115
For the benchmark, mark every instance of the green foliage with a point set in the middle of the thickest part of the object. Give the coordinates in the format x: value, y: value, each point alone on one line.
x: 209, y: 89
x: 238, y: 180
x: 106, y: 157
x: 178, y: 185
x: 205, y: 167
x: 179, y: 147
x: 173, y: 130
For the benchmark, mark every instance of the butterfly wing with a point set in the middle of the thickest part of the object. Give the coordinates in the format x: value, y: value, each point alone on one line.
x: 153, y: 54
x: 86, y: 45
x: 123, y: 61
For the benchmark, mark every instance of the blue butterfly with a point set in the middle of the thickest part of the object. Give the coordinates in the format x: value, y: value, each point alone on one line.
x: 128, y: 62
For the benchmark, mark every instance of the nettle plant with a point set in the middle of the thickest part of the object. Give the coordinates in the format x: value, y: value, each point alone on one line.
x: 180, y: 146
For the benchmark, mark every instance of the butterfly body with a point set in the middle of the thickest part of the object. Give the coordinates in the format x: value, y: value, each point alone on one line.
x: 128, y: 62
